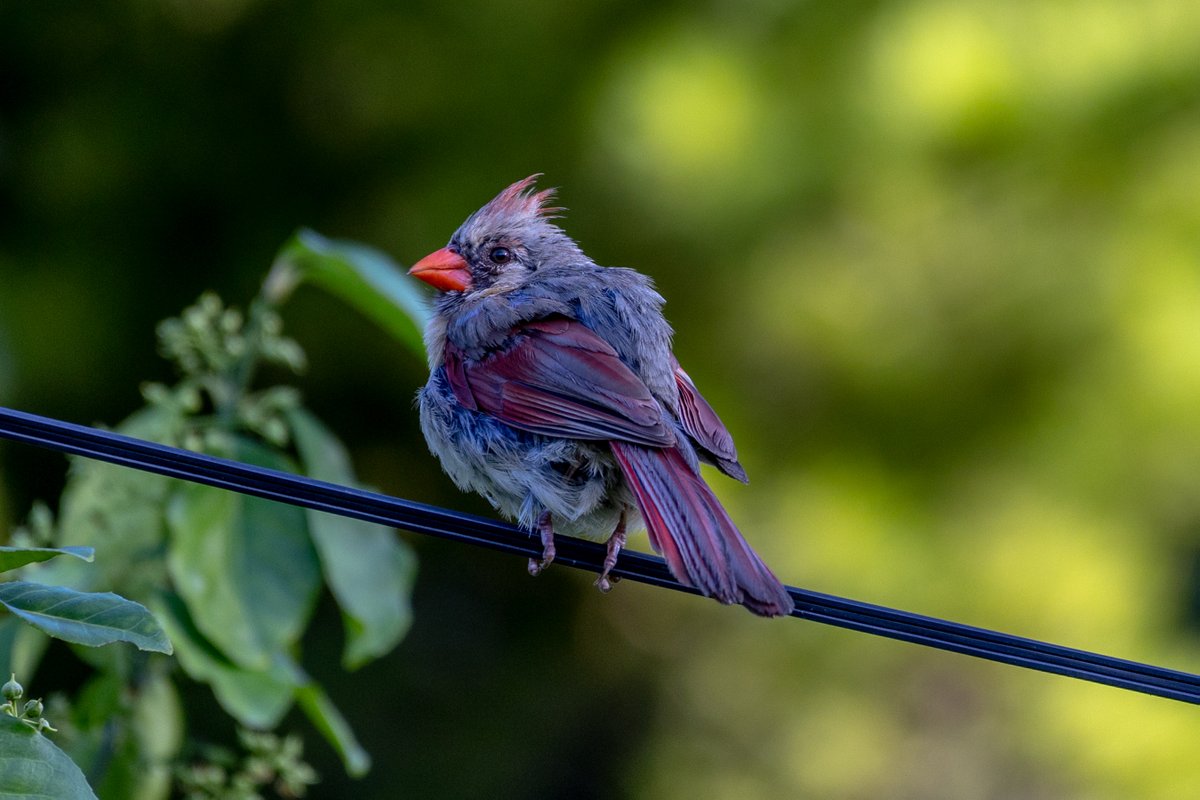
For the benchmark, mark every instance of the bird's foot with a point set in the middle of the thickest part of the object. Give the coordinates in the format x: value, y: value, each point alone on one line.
x: 605, y: 582
x: 546, y: 530
x: 536, y: 565
x: 615, y: 542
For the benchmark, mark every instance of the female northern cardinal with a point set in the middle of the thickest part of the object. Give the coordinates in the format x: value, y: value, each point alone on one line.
x: 553, y: 392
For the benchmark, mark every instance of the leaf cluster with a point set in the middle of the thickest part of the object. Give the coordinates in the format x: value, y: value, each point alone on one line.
x: 226, y: 583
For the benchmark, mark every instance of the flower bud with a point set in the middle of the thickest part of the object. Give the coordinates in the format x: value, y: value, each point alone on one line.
x: 12, y: 690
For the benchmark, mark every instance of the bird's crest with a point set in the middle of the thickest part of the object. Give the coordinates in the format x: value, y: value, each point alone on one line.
x: 521, y: 200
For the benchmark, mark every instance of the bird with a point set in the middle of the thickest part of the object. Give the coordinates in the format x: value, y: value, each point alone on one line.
x: 553, y: 392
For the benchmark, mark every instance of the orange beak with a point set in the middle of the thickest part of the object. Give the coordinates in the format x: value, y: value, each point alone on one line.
x: 444, y: 270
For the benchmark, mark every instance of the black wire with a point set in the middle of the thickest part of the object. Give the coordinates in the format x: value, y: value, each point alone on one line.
x: 359, y: 504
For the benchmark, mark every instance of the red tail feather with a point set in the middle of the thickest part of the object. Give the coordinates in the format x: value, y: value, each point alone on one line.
x: 694, y: 533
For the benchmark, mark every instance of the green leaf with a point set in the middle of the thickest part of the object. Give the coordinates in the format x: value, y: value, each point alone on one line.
x: 369, y: 569
x: 93, y: 619
x: 124, y: 737
x: 256, y: 698
x: 21, y: 647
x: 13, y: 557
x: 363, y: 277
x: 31, y: 766
x: 158, y: 730
x: 120, y: 512
x: 244, y: 566
x: 321, y: 711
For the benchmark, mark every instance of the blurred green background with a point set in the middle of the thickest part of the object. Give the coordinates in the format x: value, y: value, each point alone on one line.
x: 936, y: 263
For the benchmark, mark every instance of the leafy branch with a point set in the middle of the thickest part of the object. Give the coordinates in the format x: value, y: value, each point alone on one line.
x: 232, y: 580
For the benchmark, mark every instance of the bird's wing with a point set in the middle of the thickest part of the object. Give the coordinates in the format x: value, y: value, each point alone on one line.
x: 705, y: 427
x: 698, y: 540
x: 558, y: 378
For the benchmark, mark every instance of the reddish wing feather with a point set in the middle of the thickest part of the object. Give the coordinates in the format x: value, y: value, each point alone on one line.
x: 558, y: 378
x: 699, y: 419
x: 694, y: 533
x: 705, y: 427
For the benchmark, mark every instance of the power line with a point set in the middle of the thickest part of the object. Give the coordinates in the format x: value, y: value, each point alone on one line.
x: 418, y: 517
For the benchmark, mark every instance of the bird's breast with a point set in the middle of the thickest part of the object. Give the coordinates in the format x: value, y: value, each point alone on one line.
x: 520, y: 473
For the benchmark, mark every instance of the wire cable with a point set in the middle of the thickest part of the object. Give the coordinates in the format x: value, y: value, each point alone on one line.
x: 420, y: 518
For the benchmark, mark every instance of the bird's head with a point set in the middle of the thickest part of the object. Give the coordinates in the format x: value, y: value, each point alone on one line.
x: 501, y: 246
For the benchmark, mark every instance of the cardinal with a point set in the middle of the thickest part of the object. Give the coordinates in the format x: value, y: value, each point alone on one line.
x: 553, y: 392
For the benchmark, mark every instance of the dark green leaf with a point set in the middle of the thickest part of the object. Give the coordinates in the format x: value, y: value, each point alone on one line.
x: 31, y: 766
x: 92, y: 619
x: 125, y: 738
x: 368, y: 568
x: 244, y: 566
x: 13, y: 557
x: 96, y: 735
x: 258, y: 699
x: 366, y: 279
x: 321, y: 711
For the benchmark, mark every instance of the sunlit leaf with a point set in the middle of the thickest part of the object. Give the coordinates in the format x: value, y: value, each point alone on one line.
x: 244, y: 566
x: 92, y: 619
x: 31, y: 766
x: 363, y: 277
x: 368, y: 568
x: 13, y: 557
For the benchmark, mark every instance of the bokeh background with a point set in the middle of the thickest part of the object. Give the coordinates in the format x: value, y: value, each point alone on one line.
x: 937, y: 263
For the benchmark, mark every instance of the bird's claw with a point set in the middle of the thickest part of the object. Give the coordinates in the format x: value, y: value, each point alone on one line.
x: 546, y: 530
x: 615, y: 542
x: 605, y: 583
x: 536, y: 565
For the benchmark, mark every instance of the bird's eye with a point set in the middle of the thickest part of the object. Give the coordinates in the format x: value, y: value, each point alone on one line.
x: 500, y: 255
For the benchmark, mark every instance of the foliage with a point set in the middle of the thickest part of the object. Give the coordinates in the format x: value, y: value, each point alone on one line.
x: 268, y: 761
x: 362, y: 276
x: 233, y: 579
x: 933, y: 261
x: 31, y: 766
x: 88, y: 618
